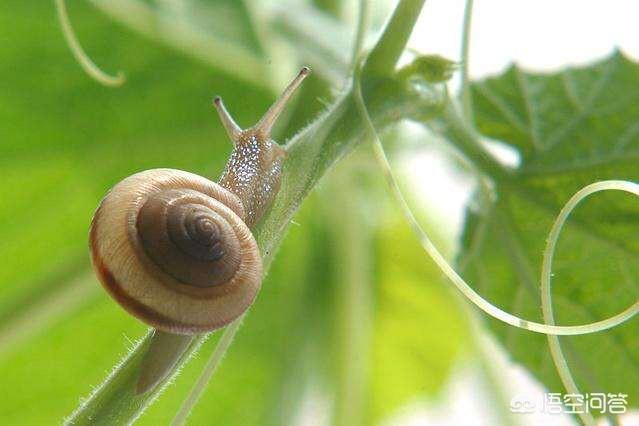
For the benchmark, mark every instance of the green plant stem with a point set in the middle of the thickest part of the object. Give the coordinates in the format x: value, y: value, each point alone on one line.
x: 463, y: 137
x: 384, y: 56
x: 310, y: 154
x: 216, y: 359
x: 116, y: 401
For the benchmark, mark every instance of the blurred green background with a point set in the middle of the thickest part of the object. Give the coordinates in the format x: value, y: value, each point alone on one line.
x: 352, y: 321
x: 354, y: 325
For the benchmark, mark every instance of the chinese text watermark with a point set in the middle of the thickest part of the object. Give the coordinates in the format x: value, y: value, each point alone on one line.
x: 571, y: 403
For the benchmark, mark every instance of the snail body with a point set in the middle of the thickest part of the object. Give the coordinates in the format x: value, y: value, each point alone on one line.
x: 175, y: 249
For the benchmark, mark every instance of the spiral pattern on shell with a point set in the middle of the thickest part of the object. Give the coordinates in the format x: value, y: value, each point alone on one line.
x: 172, y: 248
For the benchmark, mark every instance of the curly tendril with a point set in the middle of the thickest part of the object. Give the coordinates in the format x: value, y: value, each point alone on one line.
x: 83, y: 59
x: 549, y: 328
x: 556, y: 352
x: 459, y: 282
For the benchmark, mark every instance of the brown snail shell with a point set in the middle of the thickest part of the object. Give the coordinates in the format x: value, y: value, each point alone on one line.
x: 173, y: 249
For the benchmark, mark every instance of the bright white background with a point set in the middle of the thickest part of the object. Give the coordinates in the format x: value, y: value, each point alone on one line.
x: 537, y: 34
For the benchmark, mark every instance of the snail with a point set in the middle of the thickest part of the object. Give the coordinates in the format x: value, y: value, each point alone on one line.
x: 175, y: 249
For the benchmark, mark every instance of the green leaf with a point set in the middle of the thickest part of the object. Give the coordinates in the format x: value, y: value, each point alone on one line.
x: 570, y: 128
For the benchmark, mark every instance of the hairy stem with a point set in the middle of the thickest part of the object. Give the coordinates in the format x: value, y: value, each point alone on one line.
x: 310, y: 155
x: 215, y: 360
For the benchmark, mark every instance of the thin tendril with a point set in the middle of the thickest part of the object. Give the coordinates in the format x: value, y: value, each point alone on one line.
x: 465, y: 48
x: 558, y: 357
x: 549, y: 328
x: 205, y: 377
x: 450, y: 272
x: 360, y: 32
x: 546, y: 273
x: 83, y: 59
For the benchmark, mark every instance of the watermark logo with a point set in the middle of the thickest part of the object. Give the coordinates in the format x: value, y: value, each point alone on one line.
x: 571, y: 403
